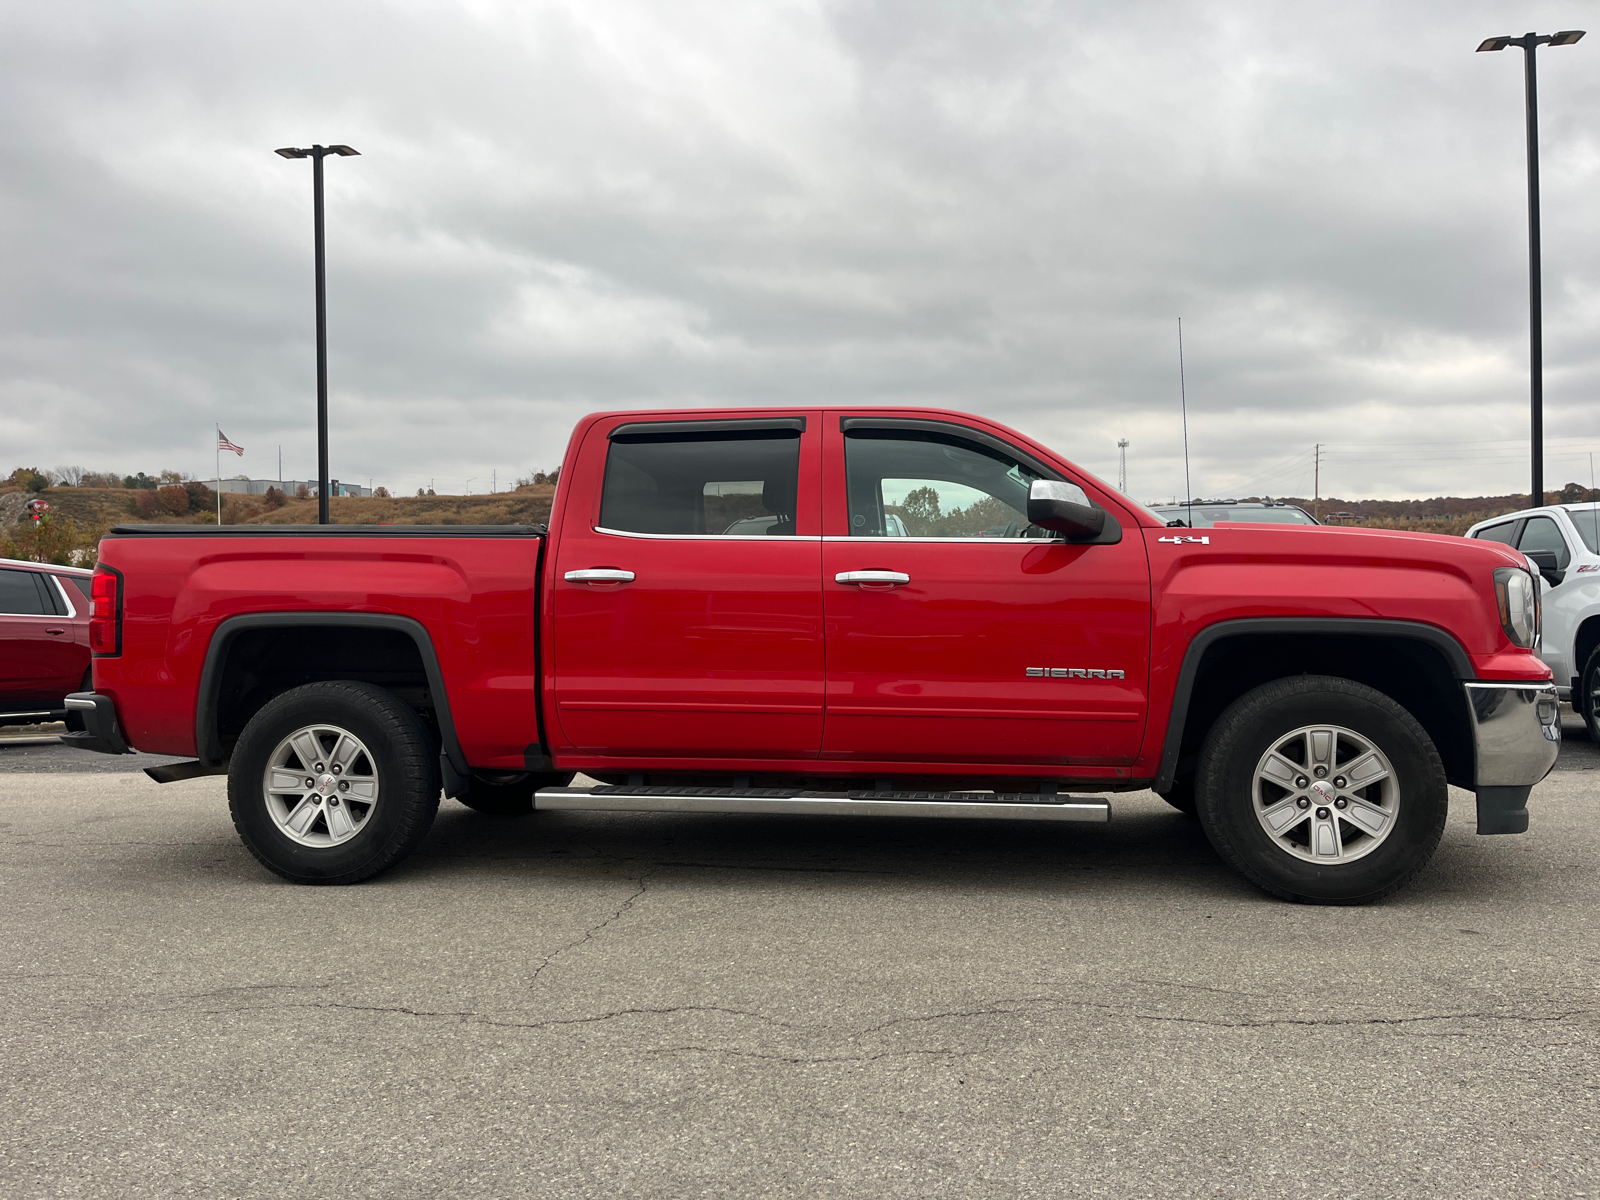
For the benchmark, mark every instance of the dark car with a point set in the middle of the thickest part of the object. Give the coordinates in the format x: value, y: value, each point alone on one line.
x: 44, y: 639
x: 1203, y: 514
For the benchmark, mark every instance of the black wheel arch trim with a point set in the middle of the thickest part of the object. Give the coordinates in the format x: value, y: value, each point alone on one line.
x: 208, y: 743
x: 1433, y: 636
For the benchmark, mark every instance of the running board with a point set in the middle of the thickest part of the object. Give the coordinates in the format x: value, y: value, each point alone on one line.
x: 987, y: 806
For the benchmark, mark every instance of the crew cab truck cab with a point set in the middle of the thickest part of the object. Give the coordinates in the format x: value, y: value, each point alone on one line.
x: 870, y: 612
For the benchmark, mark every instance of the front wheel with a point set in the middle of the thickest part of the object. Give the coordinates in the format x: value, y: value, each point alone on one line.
x: 1321, y: 790
x: 333, y: 782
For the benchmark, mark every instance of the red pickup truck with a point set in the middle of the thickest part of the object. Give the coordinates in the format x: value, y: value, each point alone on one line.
x: 872, y: 612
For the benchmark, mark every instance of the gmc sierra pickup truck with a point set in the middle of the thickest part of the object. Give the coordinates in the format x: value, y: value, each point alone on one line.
x: 843, y: 612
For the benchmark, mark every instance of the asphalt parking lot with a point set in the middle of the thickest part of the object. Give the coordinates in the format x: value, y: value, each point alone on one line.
x: 651, y: 1006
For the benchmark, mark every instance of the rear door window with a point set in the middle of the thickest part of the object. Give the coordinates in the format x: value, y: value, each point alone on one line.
x: 739, y: 483
x: 22, y: 595
x: 1498, y: 533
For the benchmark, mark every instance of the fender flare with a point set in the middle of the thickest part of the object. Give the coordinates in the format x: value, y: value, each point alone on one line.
x: 208, y: 744
x: 1431, y: 635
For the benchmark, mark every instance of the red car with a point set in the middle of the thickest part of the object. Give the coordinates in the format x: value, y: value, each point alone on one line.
x: 853, y: 612
x: 44, y: 641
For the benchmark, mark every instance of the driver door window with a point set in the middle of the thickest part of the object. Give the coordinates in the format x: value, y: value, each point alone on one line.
x: 1540, y: 533
x: 908, y: 483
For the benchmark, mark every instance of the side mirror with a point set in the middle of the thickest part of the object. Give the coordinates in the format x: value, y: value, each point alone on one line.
x: 1064, y: 508
x: 1545, y: 560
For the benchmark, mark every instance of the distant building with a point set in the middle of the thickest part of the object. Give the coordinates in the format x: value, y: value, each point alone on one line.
x: 258, y: 487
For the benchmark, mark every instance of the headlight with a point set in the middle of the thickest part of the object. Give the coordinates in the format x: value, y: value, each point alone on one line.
x: 1518, y: 597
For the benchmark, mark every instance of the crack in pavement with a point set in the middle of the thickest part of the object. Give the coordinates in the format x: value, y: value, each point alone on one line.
x: 478, y: 1019
x: 801, y: 1060
x: 1196, y: 987
x: 1337, y: 1021
x: 589, y: 935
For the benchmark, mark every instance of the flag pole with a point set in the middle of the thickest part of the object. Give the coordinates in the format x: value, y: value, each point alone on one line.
x: 218, y: 448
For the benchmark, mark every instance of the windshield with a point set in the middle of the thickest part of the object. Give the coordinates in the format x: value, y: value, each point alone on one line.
x: 1586, y: 520
x: 1207, y: 516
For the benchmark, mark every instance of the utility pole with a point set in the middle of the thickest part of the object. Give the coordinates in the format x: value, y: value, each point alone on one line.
x: 1316, y: 480
x: 1122, y: 465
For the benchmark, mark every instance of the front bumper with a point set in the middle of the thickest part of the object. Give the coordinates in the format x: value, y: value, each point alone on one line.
x: 100, y: 731
x: 1516, y: 735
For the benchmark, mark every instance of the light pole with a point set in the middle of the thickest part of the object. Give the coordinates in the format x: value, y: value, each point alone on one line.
x: 316, y: 154
x: 1530, y: 42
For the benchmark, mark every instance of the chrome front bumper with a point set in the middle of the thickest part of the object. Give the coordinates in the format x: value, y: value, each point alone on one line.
x: 1516, y: 735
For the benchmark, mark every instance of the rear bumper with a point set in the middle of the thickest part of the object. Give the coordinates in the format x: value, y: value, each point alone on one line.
x: 1516, y: 735
x: 100, y: 731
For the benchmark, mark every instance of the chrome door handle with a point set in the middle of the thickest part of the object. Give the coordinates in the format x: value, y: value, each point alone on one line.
x: 600, y: 575
x: 889, y: 577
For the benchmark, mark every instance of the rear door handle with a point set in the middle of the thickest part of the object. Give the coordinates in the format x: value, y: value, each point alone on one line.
x: 880, y: 577
x: 600, y: 575
x: 55, y: 632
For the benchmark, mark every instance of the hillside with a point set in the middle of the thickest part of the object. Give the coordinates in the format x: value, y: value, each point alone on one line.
x: 82, y: 515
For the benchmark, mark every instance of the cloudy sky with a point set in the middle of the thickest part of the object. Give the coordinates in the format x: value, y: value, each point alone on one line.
x: 1001, y: 207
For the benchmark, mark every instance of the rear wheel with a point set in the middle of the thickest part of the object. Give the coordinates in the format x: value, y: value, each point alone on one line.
x: 1321, y: 790
x: 1587, y: 701
x: 509, y: 793
x: 333, y: 782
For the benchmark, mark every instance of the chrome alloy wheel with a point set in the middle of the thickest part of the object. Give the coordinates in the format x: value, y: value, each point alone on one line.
x: 321, y: 786
x: 1326, y: 794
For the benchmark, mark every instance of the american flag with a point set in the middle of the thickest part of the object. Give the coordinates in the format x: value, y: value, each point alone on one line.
x: 224, y: 444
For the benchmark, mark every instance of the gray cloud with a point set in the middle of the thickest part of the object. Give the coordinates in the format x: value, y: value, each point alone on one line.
x: 1000, y: 208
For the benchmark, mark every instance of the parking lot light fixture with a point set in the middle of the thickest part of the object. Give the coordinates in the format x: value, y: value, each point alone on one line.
x: 316, y: 154
x: 1530, y: 42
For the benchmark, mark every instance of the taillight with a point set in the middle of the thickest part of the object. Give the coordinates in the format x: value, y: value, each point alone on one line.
x: 105, y: 612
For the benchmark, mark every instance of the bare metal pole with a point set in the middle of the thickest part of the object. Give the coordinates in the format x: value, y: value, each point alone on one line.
x: 1535, y: 281
x: 317, y: 154
x: 1530, y: 43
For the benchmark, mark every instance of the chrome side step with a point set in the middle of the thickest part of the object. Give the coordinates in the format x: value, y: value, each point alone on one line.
x: 985, y: 806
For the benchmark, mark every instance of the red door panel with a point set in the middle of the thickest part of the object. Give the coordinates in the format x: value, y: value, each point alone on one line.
x: 997, y: 648
x: 978, y: 657
x: 714, y: 648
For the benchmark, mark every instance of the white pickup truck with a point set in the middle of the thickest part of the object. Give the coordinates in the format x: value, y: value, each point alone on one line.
x: 1563, y: 541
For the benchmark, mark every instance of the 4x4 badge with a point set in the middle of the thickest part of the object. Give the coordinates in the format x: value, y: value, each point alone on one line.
x: 1204, y: 541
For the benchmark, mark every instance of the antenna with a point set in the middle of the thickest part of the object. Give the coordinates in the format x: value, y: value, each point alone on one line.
x: 1122, y: 465
x: 1183, y: 399
x: 1316, y: 479
x: 1594, y: 509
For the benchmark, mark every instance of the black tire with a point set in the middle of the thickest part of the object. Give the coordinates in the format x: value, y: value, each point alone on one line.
x: 1587, y: 702
x: 509, y: 793
x: 399, y: 750
x: 1260, y: 721
x: 1181, y: 795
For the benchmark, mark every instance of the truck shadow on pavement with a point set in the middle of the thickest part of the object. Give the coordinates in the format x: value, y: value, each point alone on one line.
x: 1146, y: 847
